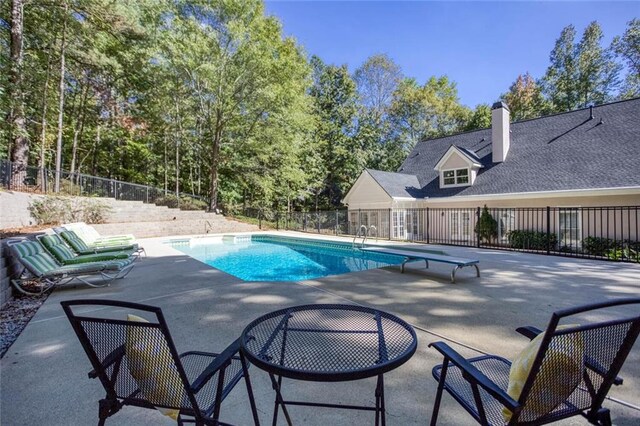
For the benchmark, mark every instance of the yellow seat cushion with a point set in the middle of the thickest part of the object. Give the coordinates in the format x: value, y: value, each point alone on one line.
x: 560, y: 373
x: 151, y: 365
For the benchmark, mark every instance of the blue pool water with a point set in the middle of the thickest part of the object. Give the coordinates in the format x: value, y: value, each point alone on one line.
x: 275, y: 258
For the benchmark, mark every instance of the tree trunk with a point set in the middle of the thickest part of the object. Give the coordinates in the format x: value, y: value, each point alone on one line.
x: 19, y: 138
x: 94, y: 158
x: 78, y: 129
x: 215, y: 161
x: 166, y: 166
x: 178, y: 136
x: 61, y: 104
x: 43, y: 126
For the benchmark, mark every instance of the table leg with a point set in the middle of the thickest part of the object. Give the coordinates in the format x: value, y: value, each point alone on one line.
x: 277, y: 384
x: 252, y: 401
x: 380, y: 410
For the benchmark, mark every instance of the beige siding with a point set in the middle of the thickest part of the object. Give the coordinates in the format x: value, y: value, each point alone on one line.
x: 542, y: 201
x: 367, y: 194
x: 455, y: 161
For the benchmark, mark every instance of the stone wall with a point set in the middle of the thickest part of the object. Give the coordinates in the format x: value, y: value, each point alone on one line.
x: 7, y: 269
x: 14, y: 209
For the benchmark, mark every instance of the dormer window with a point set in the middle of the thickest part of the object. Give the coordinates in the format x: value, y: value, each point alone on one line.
x: 458, y: 167
x: 455, y: 177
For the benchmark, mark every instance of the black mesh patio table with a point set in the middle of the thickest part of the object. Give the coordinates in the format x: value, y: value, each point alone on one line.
x: 328, y: 343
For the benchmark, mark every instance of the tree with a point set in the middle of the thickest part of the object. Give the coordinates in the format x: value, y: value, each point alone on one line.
x: 627, y: 48
x: 480, y: 118
x: 427, y: 111
x: 525, y: 98
x: 597, y: 69
x: 334, y: 107
x: 238, y: 70
x: 559, y: 82
x: 17, y: 119
x: 377, y: 79
x: 61, y: 92
x: 580, y: 73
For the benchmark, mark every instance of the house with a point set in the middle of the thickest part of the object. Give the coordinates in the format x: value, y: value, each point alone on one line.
x: 574, y: 174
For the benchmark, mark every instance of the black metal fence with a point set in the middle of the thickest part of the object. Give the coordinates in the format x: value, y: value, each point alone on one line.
x: 42, y: 181
x: 611, y: 233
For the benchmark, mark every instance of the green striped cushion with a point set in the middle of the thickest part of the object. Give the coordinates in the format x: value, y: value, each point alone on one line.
x: 100, y: 257
x: 80, y: 247
x: 58, y: 248
x: 85, y: 268
x: 116, y: 265
x: 76, y: 242
x: 33, y: 256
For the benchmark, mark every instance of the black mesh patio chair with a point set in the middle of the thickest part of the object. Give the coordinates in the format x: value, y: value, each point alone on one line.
x: 137, y: 364
x: 571, y: 372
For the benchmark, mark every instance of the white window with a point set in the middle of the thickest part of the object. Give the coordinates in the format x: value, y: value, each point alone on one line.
x: 353, y: 221
x: 456, y: 177
x: 398, y: 224
x: 460, y: 225
x: 569, y: 228
x: 412, y: 225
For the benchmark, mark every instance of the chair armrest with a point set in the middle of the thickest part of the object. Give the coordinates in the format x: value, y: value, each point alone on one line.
x: 114, y: 356
x: 529, y: 332
x: 222, y: 360
x: 473, y: 375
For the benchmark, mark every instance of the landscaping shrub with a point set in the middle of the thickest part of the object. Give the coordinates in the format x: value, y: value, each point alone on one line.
x: 598, y: 246
x: 51, y: 210
x: 533, y: 240
x: 58, y: 210
x: 188, y: 203
x: 168, y: 200
x: 183, y: 203
x: 94, y: 211
x: 612, y: 249
x: 487, y: 226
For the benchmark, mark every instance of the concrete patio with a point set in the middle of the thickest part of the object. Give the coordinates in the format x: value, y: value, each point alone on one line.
x: 44, y: 374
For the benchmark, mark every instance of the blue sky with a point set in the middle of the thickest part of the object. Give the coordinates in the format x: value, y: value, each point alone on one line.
x: 482, y: 46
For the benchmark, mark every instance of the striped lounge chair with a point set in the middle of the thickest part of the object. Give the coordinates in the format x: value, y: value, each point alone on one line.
x: 67, y: 256
x: 81, y: 247
x: 41, y: 271
x: 90, y: 236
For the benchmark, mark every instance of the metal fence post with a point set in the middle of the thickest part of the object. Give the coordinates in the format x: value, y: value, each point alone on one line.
x: 477, y: 227
x: 428, y: 225
x: 259, y: 219
x: 548, y: 230
x: 390, y: 225
x: 147, y: 195
x: 9, y: 175
x: 318, y: 221
x: 337, y: 223
x: 277, y: 221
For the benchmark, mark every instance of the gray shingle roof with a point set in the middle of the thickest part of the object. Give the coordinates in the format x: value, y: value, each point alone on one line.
x: 397, y: 184
x: 558, y: 152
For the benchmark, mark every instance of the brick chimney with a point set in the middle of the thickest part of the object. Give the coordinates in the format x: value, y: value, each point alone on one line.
x: 500, y: 137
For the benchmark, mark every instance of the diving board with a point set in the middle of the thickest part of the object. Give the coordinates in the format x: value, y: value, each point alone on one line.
x: 412, y: 256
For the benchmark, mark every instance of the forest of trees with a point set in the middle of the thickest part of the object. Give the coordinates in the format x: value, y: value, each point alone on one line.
x: 210, y: 98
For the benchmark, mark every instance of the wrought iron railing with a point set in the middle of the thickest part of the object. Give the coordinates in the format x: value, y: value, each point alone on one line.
x: 42, y: 181
x: 610, y: 232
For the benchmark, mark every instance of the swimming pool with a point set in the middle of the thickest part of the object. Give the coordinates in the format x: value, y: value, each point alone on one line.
x: 276, y: 258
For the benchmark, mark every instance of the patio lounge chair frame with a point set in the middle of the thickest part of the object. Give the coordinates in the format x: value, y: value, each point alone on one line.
x: 28, y: 280
x: 115, y: 378
x: 473, y: 374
